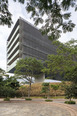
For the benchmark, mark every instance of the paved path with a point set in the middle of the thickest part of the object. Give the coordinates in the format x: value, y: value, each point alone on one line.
x: 36, y: 108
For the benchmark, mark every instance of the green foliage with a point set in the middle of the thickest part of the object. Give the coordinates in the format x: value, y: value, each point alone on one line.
x: 65, y: 62
x: 5, y: 17
x: 7, y: 99
x: 28, y: 68
x: 48, y: 100
x: 45, y: 89
x: 56, y: 20
x: 12, y: 82
x: 70, y: 102
x: 69, y: 92
x: 55, y: 87
x: 21, y: 1
x: 72, y: 74
x: 45, y: 84
x: 7, y: 92
x: 1, y: 81
x: 8, y: 86
x: 29, y: 99
x: 74, y: 90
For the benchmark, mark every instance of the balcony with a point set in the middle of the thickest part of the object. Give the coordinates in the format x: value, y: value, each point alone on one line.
x: 13, y: 43
x: 9, y: 60
x: 12, y: 36
x: 11, y: 52
x: 9, y: 67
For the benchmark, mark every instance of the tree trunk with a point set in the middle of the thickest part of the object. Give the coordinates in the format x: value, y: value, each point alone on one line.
x: 55, y: 93
x: 70, y: 98
x: 29, y: 90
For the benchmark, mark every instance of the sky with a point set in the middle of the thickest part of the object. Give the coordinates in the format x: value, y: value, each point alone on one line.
x: 18, y: 10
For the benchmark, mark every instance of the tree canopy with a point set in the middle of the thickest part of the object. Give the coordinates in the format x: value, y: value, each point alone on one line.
x: 56, y: 18
x: 54, y: 15
x: 5, y: 14
x: 28, y: 68
x: 65, y: 62
x: 8, y: 86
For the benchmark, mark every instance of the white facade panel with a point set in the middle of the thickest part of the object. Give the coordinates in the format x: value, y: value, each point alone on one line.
x: 13, y: 42
x: 12, y: 65
x: 13, y: 35
x: 14, y: 49
x: 13, y: 56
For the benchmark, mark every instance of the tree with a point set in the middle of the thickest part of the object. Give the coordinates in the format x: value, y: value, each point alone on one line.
x: 55, y: 88
x: 12, y: 82
x: 72, y: 74
x: 64, y: 62
x: 56, y: 15
x: 6, y: 90
x: 46, y: 89
x: 70, y: 90
x: 55, y: 11
x: 5, y: 15
x: 28, y: 68
x: 8, y: 85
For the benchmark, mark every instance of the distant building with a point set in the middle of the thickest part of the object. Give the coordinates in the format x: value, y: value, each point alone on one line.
x: 26, y: 41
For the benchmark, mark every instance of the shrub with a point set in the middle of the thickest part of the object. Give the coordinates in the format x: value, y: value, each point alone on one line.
x: 36, y: 91
x: 48, y: 100
x: 28, y: 99
x: 7, y: 99
x: 46, y: 89
x: 8, y: 92
x: 70, y: 102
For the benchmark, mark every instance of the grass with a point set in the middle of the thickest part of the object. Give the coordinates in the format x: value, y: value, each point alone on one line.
x: 37, y: 97
x: 58, y: 97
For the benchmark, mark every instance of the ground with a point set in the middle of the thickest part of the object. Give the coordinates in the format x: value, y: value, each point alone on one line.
x: 36, y: 107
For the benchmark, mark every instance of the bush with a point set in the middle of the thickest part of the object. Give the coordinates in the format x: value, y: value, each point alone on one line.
x: 28, y: 99
x: 36, y: 91
x: 7, y: 99
x: 7, y: 92
x: 45, y: 84
x: 48, y: 100
x: 70, y: 102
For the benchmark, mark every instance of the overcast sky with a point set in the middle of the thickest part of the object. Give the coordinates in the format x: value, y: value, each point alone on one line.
x: 18, y: 10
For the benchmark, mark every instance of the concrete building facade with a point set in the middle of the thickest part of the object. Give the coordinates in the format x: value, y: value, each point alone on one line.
x: 26, y: 41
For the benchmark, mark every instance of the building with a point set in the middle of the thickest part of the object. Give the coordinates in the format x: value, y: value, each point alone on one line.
x: 26, y: 41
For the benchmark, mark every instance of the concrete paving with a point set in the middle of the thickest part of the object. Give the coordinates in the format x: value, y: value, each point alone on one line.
x: 36, y: 107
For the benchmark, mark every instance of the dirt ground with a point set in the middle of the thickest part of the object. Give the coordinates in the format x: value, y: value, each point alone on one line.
x: 36, y: 107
